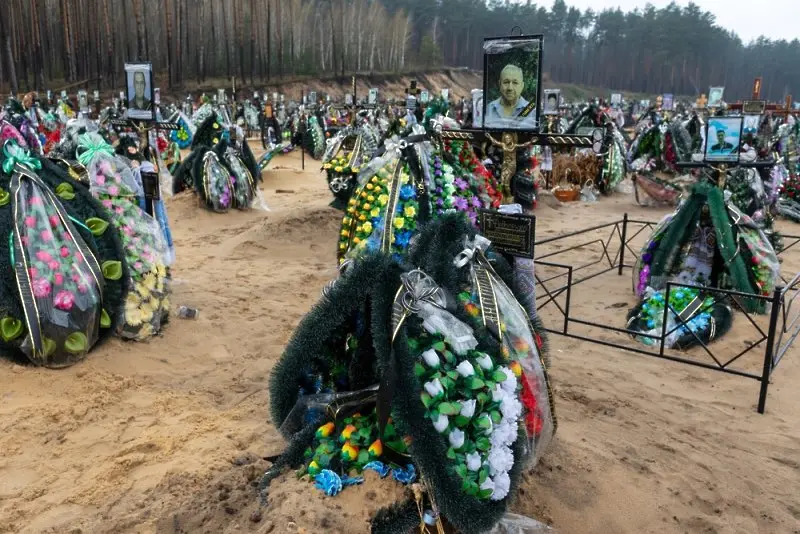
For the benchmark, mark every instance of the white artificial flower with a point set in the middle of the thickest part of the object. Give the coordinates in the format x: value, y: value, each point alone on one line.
x: 465, y: 369
x: 473, y: 461
x: 488, y: 484
x: 468, y: 408
x: 441, y: 423
x: 434, y: 388
x: 431, y: 358
x: 456, y: 438
x: 501, y: 460
x: 511, y: 408
x: 502, y: 483
x: 510, y: 383
x: 498, y: 393
x: 505, y: 433
x: 485, y: 362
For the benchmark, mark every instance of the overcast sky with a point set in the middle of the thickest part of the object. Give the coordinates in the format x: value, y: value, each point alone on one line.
x: 776, y: 19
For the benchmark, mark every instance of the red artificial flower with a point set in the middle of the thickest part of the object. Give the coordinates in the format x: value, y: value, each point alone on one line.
x: 64, y: 252
x: 53, y: 220
x: 58, y: 279
x: 533, y: 423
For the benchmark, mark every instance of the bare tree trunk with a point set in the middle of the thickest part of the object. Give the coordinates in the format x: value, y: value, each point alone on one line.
x: 269, y: 36
x: 253, y: 29
x: 168, y: 14
x: 137, y: 13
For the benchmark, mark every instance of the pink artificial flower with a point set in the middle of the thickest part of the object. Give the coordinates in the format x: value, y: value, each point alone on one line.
x: 53, y: 220
x: 137, y: 265
x: 58, y: 279
x: 113, y: 190
x: 64, y: 300
x: 30, y: 221
x: 120, y: 210
x: 64, y: 252
x: 43, y: 256
x: 76, y: 278
x: 100, y: 179
x: 127, y: 230
x: 83, y: 288
x: 104, y: 167
x: 41, y: 288
x: 53, y: 264
x: 25, y: 240
x: 36, y: 201
x: 46, y: 236
x: 33, y: 272
x: 107, y: 204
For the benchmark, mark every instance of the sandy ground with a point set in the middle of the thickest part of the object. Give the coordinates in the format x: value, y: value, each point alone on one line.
x: 168, y: 436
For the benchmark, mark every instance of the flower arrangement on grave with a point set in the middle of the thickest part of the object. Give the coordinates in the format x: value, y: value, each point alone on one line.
x: 458, y: 403
x: 63, y: 285
x: 113, y: 184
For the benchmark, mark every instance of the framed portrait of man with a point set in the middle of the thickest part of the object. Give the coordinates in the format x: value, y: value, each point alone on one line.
x: 446, y: 95
x: 83, y: 101
x: 715, y: 96
x: 372, y: 96
x: 424, y: 96
x: 723, y: 137
x: 63, y: 94
x: 667, y: 102
x: 751, y: 124
x: 552, y: 97
x: 616, y: 99
x: 221, y: 96
x: 512, y: 70
x: 348, y: 99
x: 96, y: 95
x: 140, y: 91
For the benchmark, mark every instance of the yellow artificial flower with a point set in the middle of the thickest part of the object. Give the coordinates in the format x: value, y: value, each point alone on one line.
x: 133, y: 316
x: 370, y: 198
x: 375, y: 212
x: 383, y: 199
x: 142, y: 290
x: 345, y: 233
x: 362, y: 218
x: 132, y: 300
x: 367, y: 206
x: 161, y: 269
x: 356, y: 240
x: 370, y: 186
x: 342, y: 246
x: 351, y: 202
x: 374, y: 180
x: 410, y: 211
x: 165, y: 304
x: 363, y: 194
x: 146, y: 330
x: 338, y: 169
x: 327, y: 166
x: 358, y: 229
x: 367, y: 227
x: 147, y: 313
x: 355, y: 169
x: 149, y: 280
x: 399, y: 222
x: 346, y: 220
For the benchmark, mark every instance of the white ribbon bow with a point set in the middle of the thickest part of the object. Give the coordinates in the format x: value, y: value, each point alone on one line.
x: 471, y: 246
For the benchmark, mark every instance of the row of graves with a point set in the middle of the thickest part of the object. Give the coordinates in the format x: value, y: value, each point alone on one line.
x: 425, y: 363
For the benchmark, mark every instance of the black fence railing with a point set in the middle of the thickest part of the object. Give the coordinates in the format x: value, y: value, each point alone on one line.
x: 604, y: 248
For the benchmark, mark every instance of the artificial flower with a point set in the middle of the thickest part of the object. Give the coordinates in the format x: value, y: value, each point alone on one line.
x: 500, y: 460
x: 502, y: 484
x: 473, y: 461
x: 488, y: 484
x: 468, y: 408
x: 347, y: 432
x: 505, y: 433
x: 441, y: 423
x: 456, y: 438
x: 431, y: 358
x: 434, y: 388
x: 41, y: 288
x: 485, y: 362
x: 498, y: 393
x: 325, y: 430
x: 349, y: 452
x: 465, y: 369
x: 511, y: 408
x: 376, y: 449
x: 399, y: 222
x: 510, y: 383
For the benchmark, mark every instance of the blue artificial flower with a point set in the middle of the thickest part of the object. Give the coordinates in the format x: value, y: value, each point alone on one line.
x: 379, y: 467
x: 651, y: 324
x: 401, y: 239
x: 405, y: 476
x: 329, y: 482
x: 407, y: 192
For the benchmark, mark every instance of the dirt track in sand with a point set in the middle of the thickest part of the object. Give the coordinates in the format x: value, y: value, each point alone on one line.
x: 167, y: 436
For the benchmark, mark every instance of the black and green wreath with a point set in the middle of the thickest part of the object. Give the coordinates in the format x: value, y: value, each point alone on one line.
x: 431, y: 369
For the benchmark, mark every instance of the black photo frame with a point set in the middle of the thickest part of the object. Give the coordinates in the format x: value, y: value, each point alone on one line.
x: 522, y: 56
x: 717, y: 150
x: 140, y: 95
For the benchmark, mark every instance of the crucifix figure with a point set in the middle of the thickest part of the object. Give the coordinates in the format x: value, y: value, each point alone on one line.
x: 702, y: 101
x: 508, y: 142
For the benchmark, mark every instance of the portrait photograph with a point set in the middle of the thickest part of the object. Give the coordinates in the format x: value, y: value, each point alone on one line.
x: 511, y: 88
x: 644, y: 104
x: 446, y: 95
x: 424, y: 97
x: 715, y: 96
x: 723, y: 138
x: 140, y: 91
x: 666, y: 102
x: 348, y: 99
x: 751, y: 124
x: 373, y: 96
x: 83, y: 101
x: 616, y: 99
x: 551, y: 101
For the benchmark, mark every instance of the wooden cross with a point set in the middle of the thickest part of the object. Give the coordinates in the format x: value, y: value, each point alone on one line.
x: 412, y: 89
x: 757, y: 88
x: 787, y: 109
